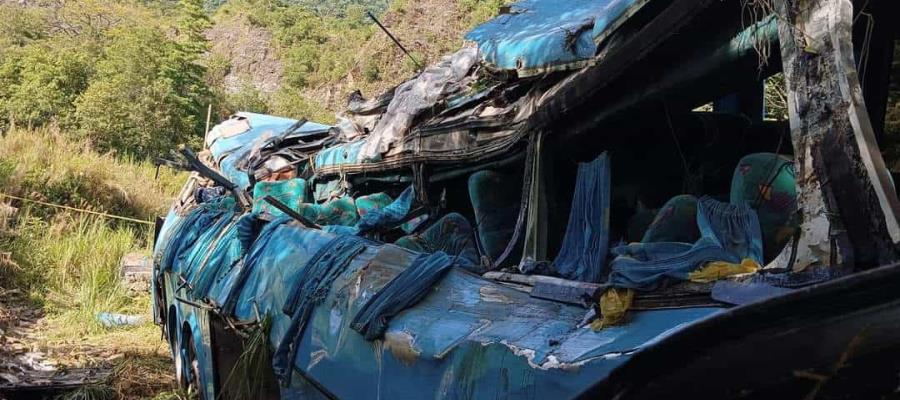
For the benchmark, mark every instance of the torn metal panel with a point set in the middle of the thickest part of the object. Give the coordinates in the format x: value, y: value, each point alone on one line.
x: 231, y: 147
x: 416, y: 96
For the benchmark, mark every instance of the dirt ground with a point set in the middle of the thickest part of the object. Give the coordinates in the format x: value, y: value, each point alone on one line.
x: 120, y: 363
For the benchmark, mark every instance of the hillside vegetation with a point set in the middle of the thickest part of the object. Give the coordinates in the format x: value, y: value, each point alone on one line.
x: 91, y: 91
x: 291, y: 60
x: 124, y: 76
x: 137, y: 77
x: 67, y: 263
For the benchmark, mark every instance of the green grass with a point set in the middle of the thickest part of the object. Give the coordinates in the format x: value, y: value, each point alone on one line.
x: 46, y: 164
x: 69, y: 261
x: 246, y: 379
x: 89, y: 392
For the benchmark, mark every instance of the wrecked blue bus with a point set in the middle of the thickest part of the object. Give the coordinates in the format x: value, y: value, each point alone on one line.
x: 550, y: 213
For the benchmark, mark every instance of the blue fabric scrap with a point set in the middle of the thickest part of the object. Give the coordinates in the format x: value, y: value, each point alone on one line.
x: 194, y: 225
x: 728, y: 232
x: 315, y: 281
x: 734, y: 227
x: 584, y: 248
x: 253, y: 256
x: 229, y: 249
x: 402, y: 292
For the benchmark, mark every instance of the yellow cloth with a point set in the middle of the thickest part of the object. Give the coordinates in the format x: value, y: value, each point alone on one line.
x: 613, y: 305
x: 716, y: 270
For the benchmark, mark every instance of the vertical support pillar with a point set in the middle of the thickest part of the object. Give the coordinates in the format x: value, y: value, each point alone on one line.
x: 848, y: 203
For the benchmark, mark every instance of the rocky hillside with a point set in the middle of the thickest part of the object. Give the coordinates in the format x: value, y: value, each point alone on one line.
x: 255, y: 60
x: 249, y: 52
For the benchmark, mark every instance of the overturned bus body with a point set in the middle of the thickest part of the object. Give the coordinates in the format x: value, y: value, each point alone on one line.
x: 547, y: 213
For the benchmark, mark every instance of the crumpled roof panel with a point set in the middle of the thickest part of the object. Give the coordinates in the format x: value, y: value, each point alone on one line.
x: 232, y: 141
x: 222, y: 140
x: 537, y: 36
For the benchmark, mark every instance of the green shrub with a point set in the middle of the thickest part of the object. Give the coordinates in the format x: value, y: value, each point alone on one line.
x: 371, y: 72
x: 21, y: 25
x: 41, y: 81
x: 247, y: 98
x: 291, y: 103
x: 138, y: 104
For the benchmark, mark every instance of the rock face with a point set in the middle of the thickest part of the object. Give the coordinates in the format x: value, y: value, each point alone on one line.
x: 136, y: 272
x: 425, y: 27
x: 250, y: 52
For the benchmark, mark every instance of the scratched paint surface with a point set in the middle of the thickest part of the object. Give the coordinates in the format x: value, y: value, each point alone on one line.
x: 469, y: 338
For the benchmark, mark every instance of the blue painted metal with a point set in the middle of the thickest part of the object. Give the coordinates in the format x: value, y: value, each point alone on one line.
x: 260, y: 126
x: 342, y: 154
x: 536, y: 36
x: 458, y: 340
x: 229, y: 151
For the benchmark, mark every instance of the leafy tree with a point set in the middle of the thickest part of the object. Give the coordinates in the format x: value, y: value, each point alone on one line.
x: 39, y: 82
x: 137, y: 103
x: 183, y: 67
x: 193, y: 23
x: 291, y: 102
x: 20, y: 26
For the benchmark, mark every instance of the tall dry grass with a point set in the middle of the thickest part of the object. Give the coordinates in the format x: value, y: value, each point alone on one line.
x: 46, y: 165
x: 69, y: 261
